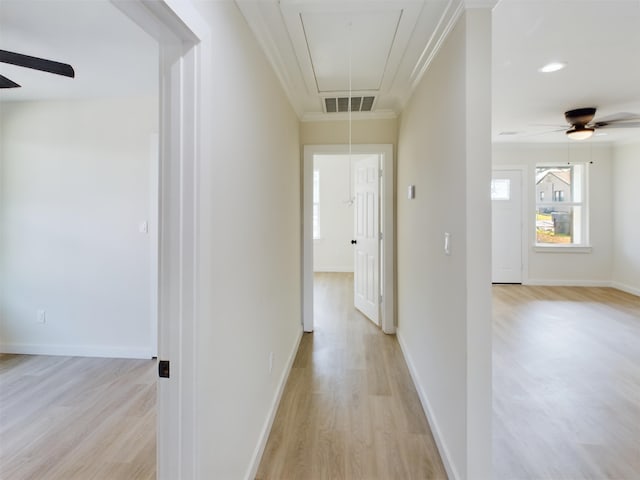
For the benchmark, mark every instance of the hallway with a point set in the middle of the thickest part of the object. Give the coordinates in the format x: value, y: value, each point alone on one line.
x: 349, y: 409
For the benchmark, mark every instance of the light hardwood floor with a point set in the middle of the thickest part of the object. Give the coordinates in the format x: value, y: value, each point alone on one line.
x: 71, y: 418
x: 566, y: 372
x: 566, y: 383
x: 349, y: 409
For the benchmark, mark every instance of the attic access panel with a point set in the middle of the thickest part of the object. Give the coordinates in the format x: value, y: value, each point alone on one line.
x: 336, y: 38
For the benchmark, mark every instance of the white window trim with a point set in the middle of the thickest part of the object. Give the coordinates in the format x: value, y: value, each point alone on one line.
x: 584, y: 247
x: 570, y: 248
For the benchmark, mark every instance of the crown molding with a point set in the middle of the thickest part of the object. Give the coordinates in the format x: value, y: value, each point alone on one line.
x: 447, y: 21
x: 344, y: 116
x: 490, y: 4
x: 263, y: 22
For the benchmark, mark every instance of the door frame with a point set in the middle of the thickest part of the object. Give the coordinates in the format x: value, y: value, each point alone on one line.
x: 524, y: 212
x: 387, y: 225
x: 182, y: 36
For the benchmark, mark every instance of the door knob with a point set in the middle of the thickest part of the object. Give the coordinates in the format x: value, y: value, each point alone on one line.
x: 353, y: 242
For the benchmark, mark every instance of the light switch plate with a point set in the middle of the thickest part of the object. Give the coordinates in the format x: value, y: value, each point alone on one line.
x: 411, y: 192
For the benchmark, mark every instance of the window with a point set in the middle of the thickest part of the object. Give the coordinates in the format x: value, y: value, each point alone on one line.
x: 316, y: 203
x: 563, y: 220
x: 500, y: 189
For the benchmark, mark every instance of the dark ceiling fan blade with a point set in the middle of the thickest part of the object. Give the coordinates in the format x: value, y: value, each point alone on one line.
x: 36, y: 63
x: 618, y: 125
x: 617, y: 117
x: 6, y: 83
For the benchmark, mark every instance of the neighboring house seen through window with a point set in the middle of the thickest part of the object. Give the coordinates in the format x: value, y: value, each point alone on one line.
x: 563, y: 220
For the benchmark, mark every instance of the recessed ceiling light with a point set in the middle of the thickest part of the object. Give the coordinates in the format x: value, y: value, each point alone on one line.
x: 552, y: 67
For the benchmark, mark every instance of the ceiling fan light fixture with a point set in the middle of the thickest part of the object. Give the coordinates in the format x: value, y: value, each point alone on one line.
x: 580, y: 133
x: 552, y: 67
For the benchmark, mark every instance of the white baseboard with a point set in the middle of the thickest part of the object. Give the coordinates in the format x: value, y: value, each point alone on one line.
x: 584, y: 283
x: 333, y: 269
x: 567, y: 283
x: 266, y: 429
x: 626, y: 288
x: 449, y: 466
x: 76, y: 351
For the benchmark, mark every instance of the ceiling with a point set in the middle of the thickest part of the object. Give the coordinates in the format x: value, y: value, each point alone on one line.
x: 110, y: 54
x: 599, y: 41
x: 324, y: 48
x: 385, y: 44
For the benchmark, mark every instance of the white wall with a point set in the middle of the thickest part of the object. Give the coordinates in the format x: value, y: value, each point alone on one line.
x: 626, y: 212
x: 334, y: 132
x: 444, y: 302
x: 553, y: 268
x: 249, y: 224
x: 333, y: 251
x: 75, y: 187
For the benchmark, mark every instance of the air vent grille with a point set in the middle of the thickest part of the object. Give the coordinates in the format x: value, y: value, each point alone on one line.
x: 341, y: 104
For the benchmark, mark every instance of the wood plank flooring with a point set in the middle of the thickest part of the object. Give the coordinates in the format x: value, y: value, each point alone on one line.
x: 71, y: 418
x: 566, y: 373
x: 566, y: 383
x: 349, y: 409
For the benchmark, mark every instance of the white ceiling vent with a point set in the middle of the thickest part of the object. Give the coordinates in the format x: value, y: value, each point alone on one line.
x: 341, y: 104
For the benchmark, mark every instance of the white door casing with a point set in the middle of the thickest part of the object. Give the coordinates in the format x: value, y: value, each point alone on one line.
x: 506, y: 195
x: 386, y: 226
x: 366, y: 291
x: 180, y: 33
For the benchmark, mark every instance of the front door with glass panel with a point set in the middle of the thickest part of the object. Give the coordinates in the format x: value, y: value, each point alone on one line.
x: 506, y: 201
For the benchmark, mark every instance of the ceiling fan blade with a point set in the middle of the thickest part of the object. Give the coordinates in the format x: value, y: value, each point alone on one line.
x: 545, y: 132
x: 617, y: 117
x: 6, y: 83
x: 36, y: 63
x: 618, y: 125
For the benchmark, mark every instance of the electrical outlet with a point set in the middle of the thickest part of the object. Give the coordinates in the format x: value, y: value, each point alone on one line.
x: 41, y: 316
x: 270, y: 362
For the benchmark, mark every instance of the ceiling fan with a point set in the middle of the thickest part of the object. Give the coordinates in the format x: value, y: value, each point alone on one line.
x: 583, y: 125
x: 35, y: 63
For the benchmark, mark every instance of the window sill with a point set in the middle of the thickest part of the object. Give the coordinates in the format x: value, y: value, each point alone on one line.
x: 562, y: 248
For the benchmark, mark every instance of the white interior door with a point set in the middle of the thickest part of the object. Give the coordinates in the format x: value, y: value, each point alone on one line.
x: 366, y: 239
x: 506, y: 201
x: 387, y: 283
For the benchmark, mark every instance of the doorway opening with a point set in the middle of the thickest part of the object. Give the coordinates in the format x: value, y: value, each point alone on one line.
x: 183, y: 36
x: 348, y: 225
